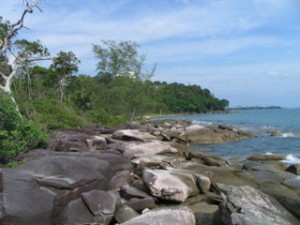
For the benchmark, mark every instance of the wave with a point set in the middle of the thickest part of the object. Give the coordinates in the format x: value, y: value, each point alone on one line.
x: 291, y: 159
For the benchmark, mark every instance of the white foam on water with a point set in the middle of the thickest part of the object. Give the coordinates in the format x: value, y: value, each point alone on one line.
x: 291, y: 159
x: 202, y: 122
x: 289, y: 134
x: 269, y: 153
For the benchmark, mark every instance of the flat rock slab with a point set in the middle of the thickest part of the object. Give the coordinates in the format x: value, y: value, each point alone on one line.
x: 179, y: 216
x: 131, y: 135
x: 244, y: 205
x: 171, y: 186
x: 151, y: 148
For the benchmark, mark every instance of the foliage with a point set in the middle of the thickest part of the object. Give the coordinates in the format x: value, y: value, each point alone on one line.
x: 118, y: 59
x: 16, y: 134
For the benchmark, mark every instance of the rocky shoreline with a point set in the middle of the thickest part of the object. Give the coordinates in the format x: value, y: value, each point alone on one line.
x: 147, y: 175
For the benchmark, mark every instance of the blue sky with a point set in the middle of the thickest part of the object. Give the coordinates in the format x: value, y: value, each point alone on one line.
x: 247, y: 51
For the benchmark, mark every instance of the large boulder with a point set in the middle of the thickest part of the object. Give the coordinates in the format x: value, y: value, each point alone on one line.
x: 198, y: 134
x: 172, y: 186
x: 135, y: 149
x: 132, y: 135
x: 168, y: 216
x: 36, y: 192
x: 244, y: 205
x: 69, y: 141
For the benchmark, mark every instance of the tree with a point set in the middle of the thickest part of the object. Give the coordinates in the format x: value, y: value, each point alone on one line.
x: 120, y: 59
x: 23, y: 52
x: 65, y: 65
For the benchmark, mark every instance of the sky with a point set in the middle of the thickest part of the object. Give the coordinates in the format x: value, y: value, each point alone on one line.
x: 246, y: 51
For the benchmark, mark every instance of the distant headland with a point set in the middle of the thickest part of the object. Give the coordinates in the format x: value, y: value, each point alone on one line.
x: 255, y: 107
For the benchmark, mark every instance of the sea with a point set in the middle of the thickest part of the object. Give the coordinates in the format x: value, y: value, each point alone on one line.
x: 284, y: 122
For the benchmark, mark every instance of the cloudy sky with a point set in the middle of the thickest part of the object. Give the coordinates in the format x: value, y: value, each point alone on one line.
x: 247, y: 51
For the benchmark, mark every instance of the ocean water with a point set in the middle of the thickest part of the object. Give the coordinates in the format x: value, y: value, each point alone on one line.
x: 286, y: 122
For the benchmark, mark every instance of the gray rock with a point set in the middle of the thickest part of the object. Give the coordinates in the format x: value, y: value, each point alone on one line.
x: 173, y: 186
x: 102, y: 204
x: 76, y: 213
x: 206, y: 214
x: 245, y: 205
x: 38, y: 191
x: 141, y: 203
x: 176, y: 216
x: 131, y: 135
x: 294, y: 184
x: 125, y: 213
x: 151, y: 148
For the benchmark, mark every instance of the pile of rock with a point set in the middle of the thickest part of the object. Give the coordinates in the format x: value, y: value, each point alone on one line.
x: 145, y: 176
x: 185, y: 132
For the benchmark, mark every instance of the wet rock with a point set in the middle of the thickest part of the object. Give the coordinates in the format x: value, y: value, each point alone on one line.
x: 265, y: 157
x: 172, y: 186
x: 132, y: 135
x: 295, y: 169
x: 245, y: 205
x: 167, y: 216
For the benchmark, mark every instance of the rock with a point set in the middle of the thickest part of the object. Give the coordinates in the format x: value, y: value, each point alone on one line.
x: 206, y: 214
x: 38, y: 191
x: 294, y: 184
x: 97, y: 143
x: 134, y: 149
x: 63, y: 141
x: 133, y: 135
x: 101, y: 203
x: 167, y: 216
x: 157, y: 160
x: 222, y: 174
x: 208, y: 159
x: 131, y: 192
x: 198, y: 134
x: 125, y: 213
x: 140, y: 204
x: 245, y: 205
x: 76, y: 213
x: 295, y: 169
x: 172, y: 186
x: 265, y: 157
x: 203, y: 183
x: 287, y: 198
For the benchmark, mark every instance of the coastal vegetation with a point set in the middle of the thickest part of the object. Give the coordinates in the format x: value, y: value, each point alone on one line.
x: 56, y: 96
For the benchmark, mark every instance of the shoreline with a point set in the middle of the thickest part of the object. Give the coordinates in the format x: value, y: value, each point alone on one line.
x: 148, y: 174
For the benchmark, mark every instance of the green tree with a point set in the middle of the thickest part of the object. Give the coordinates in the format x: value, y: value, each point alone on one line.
x: 65, y: 64
x: 120, y: 59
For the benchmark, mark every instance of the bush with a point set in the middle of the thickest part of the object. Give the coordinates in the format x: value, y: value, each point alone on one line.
x: 16, y: 133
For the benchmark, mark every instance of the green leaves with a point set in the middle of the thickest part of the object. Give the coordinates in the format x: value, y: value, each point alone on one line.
x: 16, y: 134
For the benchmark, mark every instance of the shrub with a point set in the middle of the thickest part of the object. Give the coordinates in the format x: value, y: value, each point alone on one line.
x: 16, y: 133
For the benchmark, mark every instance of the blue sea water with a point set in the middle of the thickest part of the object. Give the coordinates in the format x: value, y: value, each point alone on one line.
x: 285, y: 121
